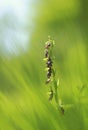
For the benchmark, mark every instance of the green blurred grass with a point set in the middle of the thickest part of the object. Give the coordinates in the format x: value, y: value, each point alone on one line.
x: 23, y: 95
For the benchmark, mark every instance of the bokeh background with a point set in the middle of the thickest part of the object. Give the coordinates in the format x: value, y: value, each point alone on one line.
x: 24, y: 28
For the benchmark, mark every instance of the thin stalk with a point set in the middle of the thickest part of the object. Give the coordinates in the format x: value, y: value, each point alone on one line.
x: 51, y: 73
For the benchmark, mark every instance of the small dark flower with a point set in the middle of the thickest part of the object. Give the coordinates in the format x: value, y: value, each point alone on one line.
x: 48, y: 45
x: 48, y: 74
x: 46, y: 53
x: 49, y: 62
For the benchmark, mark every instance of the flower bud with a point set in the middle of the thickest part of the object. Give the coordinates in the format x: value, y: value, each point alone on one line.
x: 48, y: 80
x: 46, y: 53
x: 48, y: 74
x: 50, y: 95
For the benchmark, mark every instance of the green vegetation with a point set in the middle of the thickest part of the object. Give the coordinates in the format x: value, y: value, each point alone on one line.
x: 23, y: 93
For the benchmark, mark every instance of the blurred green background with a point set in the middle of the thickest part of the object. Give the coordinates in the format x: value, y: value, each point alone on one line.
x: 23, y: 94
